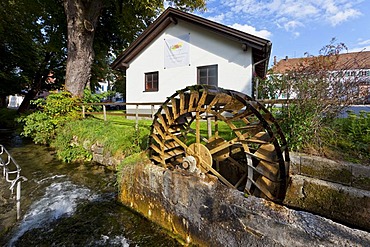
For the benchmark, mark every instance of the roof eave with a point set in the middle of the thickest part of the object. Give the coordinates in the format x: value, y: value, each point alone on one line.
x: 170, y: 15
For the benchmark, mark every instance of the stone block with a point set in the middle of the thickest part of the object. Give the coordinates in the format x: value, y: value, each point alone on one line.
x: 295, y: 163
x: 361, y: 176
x: 342, y: 203
x: 204, y: 212
x: 322, y: 168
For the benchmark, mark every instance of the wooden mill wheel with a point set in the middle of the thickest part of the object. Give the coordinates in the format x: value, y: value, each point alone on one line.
x: 243, y: 145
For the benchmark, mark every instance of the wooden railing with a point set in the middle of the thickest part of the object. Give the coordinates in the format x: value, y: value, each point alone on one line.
x: 136, y: 114
x: 152, y: 109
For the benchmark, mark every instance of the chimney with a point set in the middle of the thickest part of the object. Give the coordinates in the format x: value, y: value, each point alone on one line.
x: 286, y: 58
x: 274, y: 60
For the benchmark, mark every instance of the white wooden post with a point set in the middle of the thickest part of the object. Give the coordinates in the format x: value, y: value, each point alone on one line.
x: 152, y: 111
x: 137, y: 118
x: 209, y: 127
x: 83, y: 111
x: 104, y: 113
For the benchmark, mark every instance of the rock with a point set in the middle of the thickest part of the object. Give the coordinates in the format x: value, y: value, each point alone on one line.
x: 103, y: 158
x: 340, y: 172
x: 205, y: 212
x: 343, y: 203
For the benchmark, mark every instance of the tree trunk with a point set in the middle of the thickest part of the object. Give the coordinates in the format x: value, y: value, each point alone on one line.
x: 82, y: 16
x: 3, y: 101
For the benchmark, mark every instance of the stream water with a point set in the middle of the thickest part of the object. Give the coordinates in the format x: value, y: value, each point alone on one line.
x: 72, y: 204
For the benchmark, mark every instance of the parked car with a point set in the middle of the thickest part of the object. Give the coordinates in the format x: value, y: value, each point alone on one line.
x: 115, y: 104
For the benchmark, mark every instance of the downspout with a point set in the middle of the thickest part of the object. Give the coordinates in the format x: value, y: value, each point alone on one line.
x: 254, y: 87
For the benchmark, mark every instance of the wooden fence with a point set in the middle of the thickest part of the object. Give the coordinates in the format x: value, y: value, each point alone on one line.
x: 153, y: 110
x: 136, y: 114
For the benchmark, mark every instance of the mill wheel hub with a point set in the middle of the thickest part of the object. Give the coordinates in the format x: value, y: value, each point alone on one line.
x: 202, y: 156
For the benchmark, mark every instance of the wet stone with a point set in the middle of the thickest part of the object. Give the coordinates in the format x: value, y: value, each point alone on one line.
x: 207, y: 213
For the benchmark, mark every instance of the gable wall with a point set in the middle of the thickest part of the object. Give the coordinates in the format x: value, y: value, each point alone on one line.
x: 234, y: 64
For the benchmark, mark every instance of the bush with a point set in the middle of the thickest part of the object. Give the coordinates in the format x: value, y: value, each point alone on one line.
x: 318, y: 89
x: 299, y: 125
x: 58, y: 109
x: 352, y: 136
x: 7, y: 117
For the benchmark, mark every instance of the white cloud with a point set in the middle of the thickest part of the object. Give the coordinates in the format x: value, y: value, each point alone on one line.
x: 252, y: 30
x: 298, y: 9
x: 296, y: 34
x: 362, y: 45
x: 364, y: 42
x: 218, y: 18
x: 332, y: 12
x: 358, y: 49
x: 343, y: 16
x: 290, y: 26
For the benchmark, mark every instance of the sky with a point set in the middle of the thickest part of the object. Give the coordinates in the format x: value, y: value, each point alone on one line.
x: 297, y: 27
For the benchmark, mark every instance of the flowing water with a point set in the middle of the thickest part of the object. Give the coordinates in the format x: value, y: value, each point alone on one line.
x: 72, y: 204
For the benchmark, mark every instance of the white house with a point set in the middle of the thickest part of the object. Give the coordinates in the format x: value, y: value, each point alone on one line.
x: 14, y: 101
x: 352, y: 67
x: 103, y: 87
x: 181, y: 49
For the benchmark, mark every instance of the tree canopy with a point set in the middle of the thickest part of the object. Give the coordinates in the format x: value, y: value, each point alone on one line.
x: 32, y: 41
x: 76, y: 39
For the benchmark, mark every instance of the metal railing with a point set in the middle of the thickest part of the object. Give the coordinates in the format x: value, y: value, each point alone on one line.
x: 12, y: 174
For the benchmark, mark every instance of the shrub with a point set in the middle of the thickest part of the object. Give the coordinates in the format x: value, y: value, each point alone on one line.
x: 7, y: 117
x: 299, y: 125
x: 319, y: 89
x: 53, y: 112
x: 353, y: 136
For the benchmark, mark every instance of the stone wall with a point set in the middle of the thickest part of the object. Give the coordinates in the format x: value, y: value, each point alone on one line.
x: 337, y: 190
x: 340, y: 172
x: 204, y: 212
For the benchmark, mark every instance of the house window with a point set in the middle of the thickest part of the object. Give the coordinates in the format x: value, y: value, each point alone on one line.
x: 151, y: 81
x: 208, y: 75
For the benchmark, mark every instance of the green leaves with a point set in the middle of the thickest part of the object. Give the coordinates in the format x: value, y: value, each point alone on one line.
x: 320, y: 90
x: 54, y: 112
x: 357, y: 128
x: 30, y: 30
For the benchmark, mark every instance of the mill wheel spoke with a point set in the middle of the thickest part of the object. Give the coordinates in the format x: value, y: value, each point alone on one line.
x: 244, y: 147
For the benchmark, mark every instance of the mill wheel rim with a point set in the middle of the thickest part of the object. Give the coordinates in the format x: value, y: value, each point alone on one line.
x: 256, y: 148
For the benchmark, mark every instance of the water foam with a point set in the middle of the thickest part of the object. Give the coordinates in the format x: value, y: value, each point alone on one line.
x: 60, y: 199
x: 113, y: 241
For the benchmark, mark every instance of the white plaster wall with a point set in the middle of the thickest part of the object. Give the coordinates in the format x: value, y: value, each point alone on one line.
x: 234, y: 64
x: 15, y: 101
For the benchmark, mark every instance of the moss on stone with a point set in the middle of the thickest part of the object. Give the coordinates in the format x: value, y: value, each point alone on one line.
x: 326, y: 173
x: 330, y: 202
x: 362, y: 183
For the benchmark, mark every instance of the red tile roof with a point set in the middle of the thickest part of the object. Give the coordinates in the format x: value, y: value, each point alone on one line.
x: 354, y: 60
